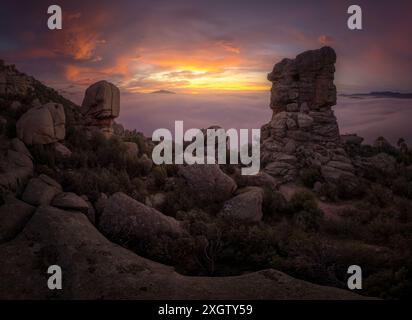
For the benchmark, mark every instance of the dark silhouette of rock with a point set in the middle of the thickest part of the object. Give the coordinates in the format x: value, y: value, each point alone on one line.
x: 14, y: 215
x: 54, y: 236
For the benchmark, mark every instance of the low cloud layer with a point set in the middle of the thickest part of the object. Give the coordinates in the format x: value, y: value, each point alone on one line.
x: 368, y: 117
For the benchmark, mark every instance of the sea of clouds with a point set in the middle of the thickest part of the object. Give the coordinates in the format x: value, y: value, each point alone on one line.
x: 368, y: 117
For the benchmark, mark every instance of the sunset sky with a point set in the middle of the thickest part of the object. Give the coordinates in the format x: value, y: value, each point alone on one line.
x: 204, y: 46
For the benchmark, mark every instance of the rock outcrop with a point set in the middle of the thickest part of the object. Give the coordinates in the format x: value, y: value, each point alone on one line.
x: 41, y: 190
x: 70, y: 201
x: 99, y: 269
x: 247, y: 206
x: 126, y: 220
x: 16, y: 166
x: 303, y: 132
x: 14, y: 82
x: 14, y: 215
x: 42, y: 125
x: 101, y: 105
x: 207, y: 183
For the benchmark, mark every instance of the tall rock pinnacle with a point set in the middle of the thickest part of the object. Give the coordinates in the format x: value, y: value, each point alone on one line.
x: 303, y: 132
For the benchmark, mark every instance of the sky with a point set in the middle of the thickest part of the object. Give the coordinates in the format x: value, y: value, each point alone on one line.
x: 197, y: 46
x: 215, y: 54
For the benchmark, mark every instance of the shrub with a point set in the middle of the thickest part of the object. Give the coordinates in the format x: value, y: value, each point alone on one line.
x: 307, y: 215
x: 402, y: 187
x: 160, y: 175
x: 274, y: 204
x: 303, y: 200
x: 93, y: 182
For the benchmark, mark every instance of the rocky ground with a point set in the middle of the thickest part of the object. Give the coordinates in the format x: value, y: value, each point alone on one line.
x: 80, y: 191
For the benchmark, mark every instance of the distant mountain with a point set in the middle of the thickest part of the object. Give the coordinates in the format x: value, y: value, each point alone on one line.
x: 380, y: 94
x: 163, y: 92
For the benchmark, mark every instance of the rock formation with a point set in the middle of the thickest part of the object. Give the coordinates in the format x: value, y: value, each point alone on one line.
x: 126, y: 219
x: 247, y: 206
x: 41, y: 190
x: 207, y: 183
x: 16, y: 166
x: 101, y: 105
x: 303, y: 132
x: 13, y: 82
x: 100, y: 269
x: 42, y: 125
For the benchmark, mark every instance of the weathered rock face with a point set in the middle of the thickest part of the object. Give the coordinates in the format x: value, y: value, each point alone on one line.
x: 303, y: 131
x: 101, y: 105
x: 42, y: 125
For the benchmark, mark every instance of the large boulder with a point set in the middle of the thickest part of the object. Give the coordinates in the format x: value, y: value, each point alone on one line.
x: 14, y: 215
x: 16, y: 167
x: 70, y: 201
x: 95, y: 268
x: 247, y: 206
x: 101, y: 105
x: 125, y: 219
x: 42, y: 125
x: 207, y: 183
x: 41, y: 190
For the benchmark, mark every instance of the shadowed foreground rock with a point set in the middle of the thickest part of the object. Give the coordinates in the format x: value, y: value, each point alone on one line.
x: 94, y: 268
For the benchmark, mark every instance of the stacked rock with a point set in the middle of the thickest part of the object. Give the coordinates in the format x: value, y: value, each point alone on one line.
x: 303, y: 131
x: 101, y: 105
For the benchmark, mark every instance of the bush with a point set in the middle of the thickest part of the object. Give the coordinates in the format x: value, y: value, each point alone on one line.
x: 274, y: 204
x: 93, y: 182
x: 303, y: 200
x: 160, y: 175
x: 307, y: 215
x: 402, y: 187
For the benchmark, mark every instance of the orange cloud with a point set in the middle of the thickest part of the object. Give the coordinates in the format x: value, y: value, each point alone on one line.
x: 228, y: 46
x: 325, y: 39
x: 206, y: 67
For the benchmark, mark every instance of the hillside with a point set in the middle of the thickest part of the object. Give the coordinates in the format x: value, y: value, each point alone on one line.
x: 80, y: 191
